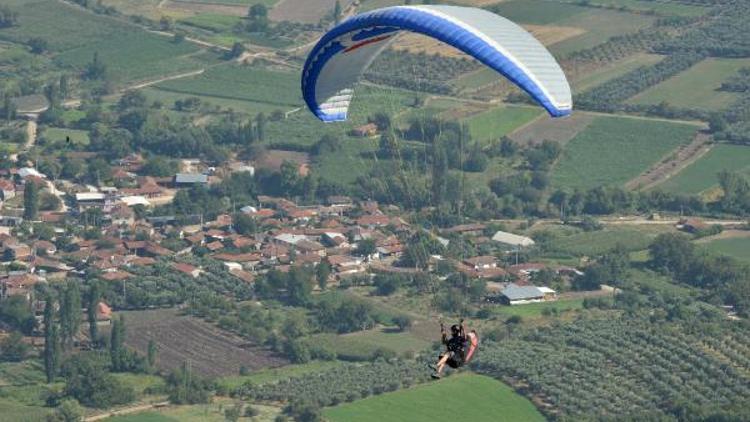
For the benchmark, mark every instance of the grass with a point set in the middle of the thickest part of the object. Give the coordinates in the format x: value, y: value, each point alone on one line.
x: 537, y: 12
x: 533, y: 310
x: 168, y: 98
x: 613, y: 70
x: 354, y: 159
x: 697, y: 87
x: 276, y: 374
x: 361, y: 345
x: 473, y: 397
x: 139, y: 382
x: 267, y: 3
x: 601, y: 241
x: 500, y: 121
x: 702, y: 174
x: 15, y: 411
x: 662, y: 8
x: 241, y: 83
x: 613, y: 150
x: 129, y: 52
x: 213, y: 22
x: 21, y: 373
x: 58, y: 135
x: 477, y: 79
x: 737, y: 247
x: 600, y: 25
x: 212, y: 412
x: 135, y: 56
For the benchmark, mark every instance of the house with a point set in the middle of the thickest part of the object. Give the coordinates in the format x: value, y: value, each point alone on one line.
x: 103, y: 312
x: 187, y: 269
x: 365, y: 131
x: 17, y: 251
x: 86, y: 200
x: 373, y: 220
x: 466, y: 229
x: 692, y: 225
x: 308, y: 246
x: 183, y: 180
x: 481, y: 262
x: 7, y: 189
x: 518, y: 295
x: 122, y: 215
x: 512, y: 240
x: 44, y: 247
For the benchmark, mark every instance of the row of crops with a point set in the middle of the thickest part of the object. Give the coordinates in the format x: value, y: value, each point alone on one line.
x: 341, y: 384
x: 603, y: 368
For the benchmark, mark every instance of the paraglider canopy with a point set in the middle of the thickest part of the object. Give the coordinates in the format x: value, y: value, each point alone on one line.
x: 338, y: 60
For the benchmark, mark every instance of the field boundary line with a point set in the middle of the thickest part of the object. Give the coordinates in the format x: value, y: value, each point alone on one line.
x: 125, y: 411
x: 668, y: 167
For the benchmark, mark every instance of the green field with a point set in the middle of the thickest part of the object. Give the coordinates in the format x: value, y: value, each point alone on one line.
x: 602, y: 241
x: 697, y: 87
x: 213, y: 412
x: 354, y: 159
x: 613, y: 70
x: 212, y: 22
x: 532, y: 310
x: 537, y: 12
x: 275, y: 374
x: 736, y: 247
x: 500, y: 121
x: 468, y: 396
x: 249, y: 107
x: 267, y: 3
x: 702, y: 174
x: 600, y: 25
x: 241, y: 83
x: 663, y: 8
x: 613, y: 150
x: 129, y: 52
x: 53, y: 135
x: 361, y: 345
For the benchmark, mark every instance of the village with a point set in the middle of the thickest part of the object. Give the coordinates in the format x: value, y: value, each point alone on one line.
x: 356, y: 239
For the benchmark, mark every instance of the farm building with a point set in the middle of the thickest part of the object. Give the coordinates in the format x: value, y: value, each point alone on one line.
x: 519, y: 295
x: 512, y: 240
x: 190, y: 179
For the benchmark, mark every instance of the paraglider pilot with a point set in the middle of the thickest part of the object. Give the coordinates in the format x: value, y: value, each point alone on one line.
x: 455, y: 354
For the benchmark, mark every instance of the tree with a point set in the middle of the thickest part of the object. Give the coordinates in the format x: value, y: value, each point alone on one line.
x: 337, y: 11
x: 244, y: 224
x: 13, y: 349
x: 235, y: 52
x: 70, y: 313
x: 68, y: 411
x: 152, y: 351
x: 30, y: 200
x: 366, y: 247
x: 322, y: 272
x: 257, y: 18
x: 95, y: 69
x: 403, y: 322
x: 260, y: 126
x: 184, y: 387
x: 87, y: 380
x: 92, y: 309
x: 51, y: 341
x: 38, y: 45
x: 8, y: 17
x: 117, y: 344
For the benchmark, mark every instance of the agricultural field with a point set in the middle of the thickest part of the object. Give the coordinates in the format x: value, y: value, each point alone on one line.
x: 211, y: 412
x: 129, y: 53
x: 533, y: 310
x: 702, y: 174
x: 168, y: 98
x: 697, y: 87
x: 53, y: 135
x: 595, y: 25
x: 550, y: 129
x: 181, y: 338
x: 498, y: 122
x: 355, y: 158
x: 361, y: 345
x: 305, y: 11
x: 591, y: 79
x: 22, y: 388
x: 661, y: 8
x: 601, y: 241
x: 613, y: 150
x: 604, y: 367
x: 479, y: 398
x: 241, y: 83
x: 266, y: 376
x: 736, y: 247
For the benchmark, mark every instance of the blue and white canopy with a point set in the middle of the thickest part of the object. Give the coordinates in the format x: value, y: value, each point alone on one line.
x: 339, y: 59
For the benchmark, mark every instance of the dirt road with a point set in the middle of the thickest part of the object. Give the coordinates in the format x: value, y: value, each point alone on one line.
x: 125, y: 411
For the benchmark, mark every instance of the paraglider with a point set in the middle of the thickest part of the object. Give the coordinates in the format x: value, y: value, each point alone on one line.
x: 337, y: 61
x: 460, y: 348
